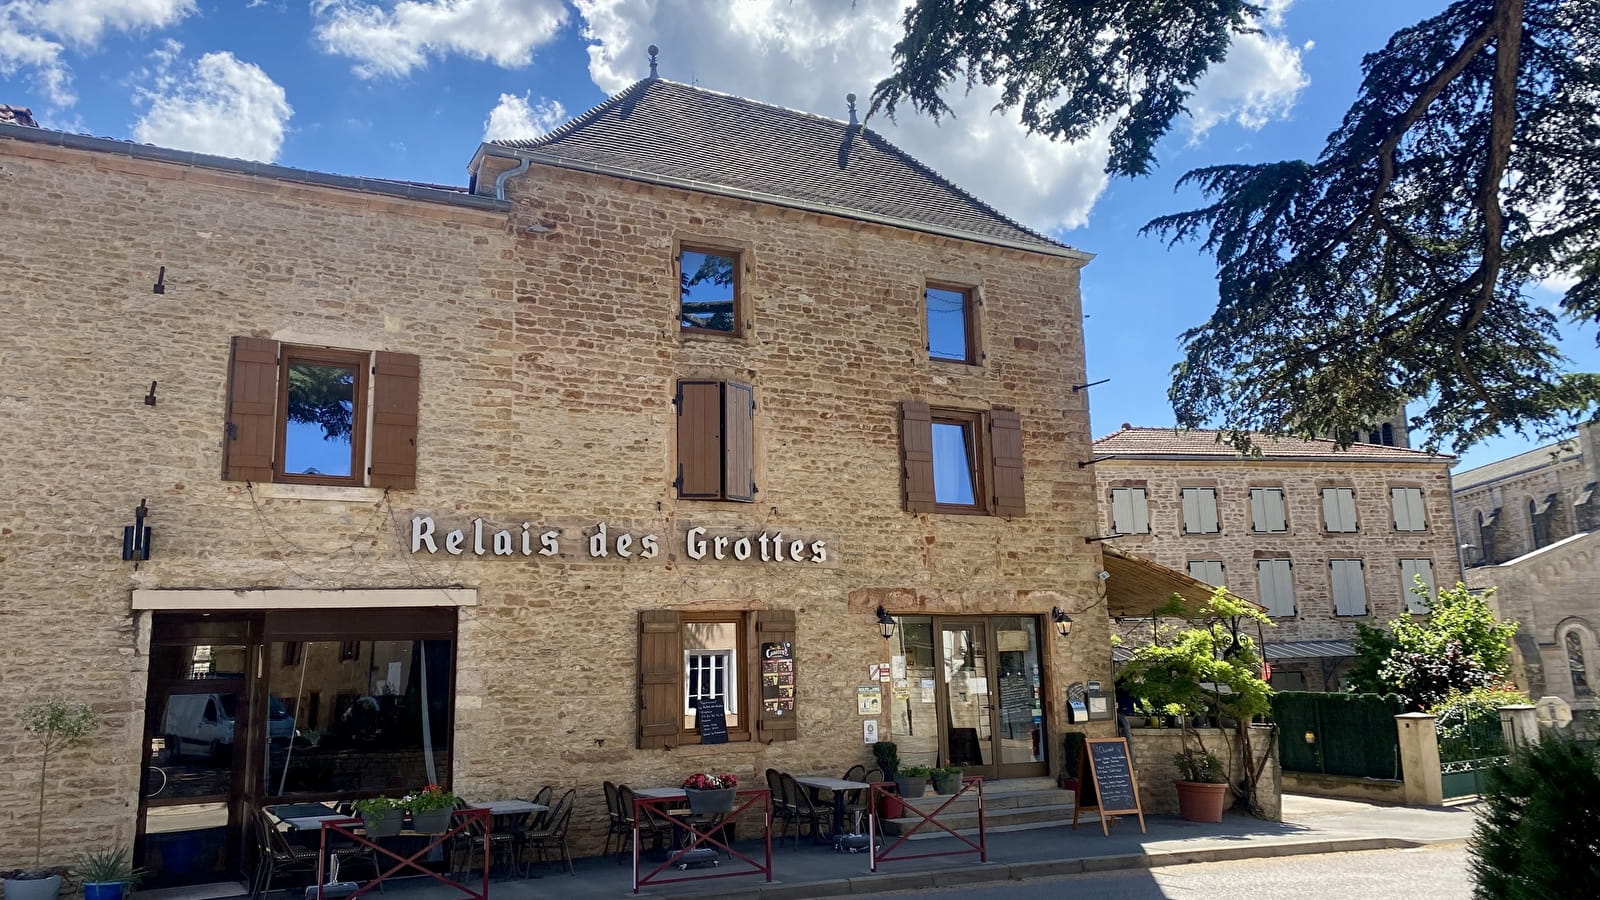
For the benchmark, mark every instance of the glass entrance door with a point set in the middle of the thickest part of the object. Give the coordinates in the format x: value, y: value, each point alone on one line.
x: 989, y: 696
x: 965, y: 690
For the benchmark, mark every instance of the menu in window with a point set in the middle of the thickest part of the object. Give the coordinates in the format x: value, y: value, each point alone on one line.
x: 777, y: 678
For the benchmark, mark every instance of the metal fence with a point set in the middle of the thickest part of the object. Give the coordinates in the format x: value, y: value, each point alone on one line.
x: 1338, y: 734
x: 1467, y: 751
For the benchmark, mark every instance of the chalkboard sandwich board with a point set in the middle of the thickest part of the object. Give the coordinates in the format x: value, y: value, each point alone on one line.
x: 1104, y: 763
x: 711, y: 720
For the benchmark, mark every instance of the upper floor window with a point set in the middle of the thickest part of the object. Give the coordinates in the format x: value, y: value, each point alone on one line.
x: 1539, y: 521
x: 1576, y: 666
x: 1200, y: 511
x: 709, y: 290
x: 716, y: 441
x: 1408, y: 512
x: 1266, y: 511
x: 1130, y: 511
x: 1275, y: 586
x: 1339, y: 509
x: 1410, y: 571
x: 1349, y: 587
x: 314, y: 415
x: 1207, y: 570
x: 952, y: 324
x: 962, y: 461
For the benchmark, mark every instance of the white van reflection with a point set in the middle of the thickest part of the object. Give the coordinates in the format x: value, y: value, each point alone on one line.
x: 203, y: 724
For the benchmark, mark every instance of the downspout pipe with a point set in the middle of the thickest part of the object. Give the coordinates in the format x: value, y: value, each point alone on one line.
x: 500, y: 180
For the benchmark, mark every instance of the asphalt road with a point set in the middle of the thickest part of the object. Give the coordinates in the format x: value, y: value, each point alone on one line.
x: 1429, y: 873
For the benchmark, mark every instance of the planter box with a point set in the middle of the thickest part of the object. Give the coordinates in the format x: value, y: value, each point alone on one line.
x: 387, y: 824
x: 910, y: 788
x: 431, y: 821
x: 710, y: 803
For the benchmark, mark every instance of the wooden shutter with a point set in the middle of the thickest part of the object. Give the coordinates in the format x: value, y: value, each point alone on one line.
x: 1349, y: 588
x: 660, y: 678
x: 1121, y: 511
x: 1209, y: 523
x: 1005, y: 451
x: 251, y: 433
x: 1139, y: 504
x: 1199, y: 511
x: 700, y: 440
x: 1419, y: 519
x: 916, y: 454
x: 738, y: 442
x: 395, y: 383
x: 1409, y: 570
x: 776, y: 626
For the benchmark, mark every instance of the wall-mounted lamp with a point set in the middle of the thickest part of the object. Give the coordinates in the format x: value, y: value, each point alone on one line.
x: 136, y: 537
x: 160, y: 287
x: 1062, y: 621
x: 150, y: 398
x: 886, y: 624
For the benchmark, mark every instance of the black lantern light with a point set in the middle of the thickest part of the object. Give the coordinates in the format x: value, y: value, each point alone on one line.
x: 136, y: 537
x: 886, y: 624
x: 1062, y: 620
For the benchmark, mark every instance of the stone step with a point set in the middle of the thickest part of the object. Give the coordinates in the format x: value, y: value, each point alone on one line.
x: 1006, y: 819
x: 997, y: 796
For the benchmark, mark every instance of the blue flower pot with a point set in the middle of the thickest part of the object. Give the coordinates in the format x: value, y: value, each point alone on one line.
x: 104, y: 890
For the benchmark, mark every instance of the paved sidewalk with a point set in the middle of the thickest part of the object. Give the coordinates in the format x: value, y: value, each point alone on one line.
x: 1312, y: 825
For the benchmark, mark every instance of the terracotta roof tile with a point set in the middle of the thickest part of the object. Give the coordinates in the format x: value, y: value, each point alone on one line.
x: 1202, y: 442
x: 664, y: 128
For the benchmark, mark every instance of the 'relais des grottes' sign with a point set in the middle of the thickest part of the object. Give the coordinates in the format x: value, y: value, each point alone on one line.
x: 698, y: 543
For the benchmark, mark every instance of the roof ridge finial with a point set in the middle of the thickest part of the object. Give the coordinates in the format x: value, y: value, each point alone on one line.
x: 850, y: 98
x: 653, y: 50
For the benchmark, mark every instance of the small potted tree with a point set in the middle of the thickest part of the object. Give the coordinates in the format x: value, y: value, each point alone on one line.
x: 888, y: 757
x: 107, y: 874
x: 381, y: 816
x: 57, y: 724
x: 430, y: 809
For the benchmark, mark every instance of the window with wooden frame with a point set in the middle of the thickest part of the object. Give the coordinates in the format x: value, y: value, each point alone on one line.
x: 1408, y: 510
x: 716, y: 441
x: 684, y: 657
x: 952, y: 321
x: 961, y: 461
x: 710, y: 290
x: 308, y: 415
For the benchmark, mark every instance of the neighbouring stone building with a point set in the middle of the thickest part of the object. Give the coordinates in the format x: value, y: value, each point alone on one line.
x: 499, y: 486
x: 1530, y: 526
x: 1322, y: 538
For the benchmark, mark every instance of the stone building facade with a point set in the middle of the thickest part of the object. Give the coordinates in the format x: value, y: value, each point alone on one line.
x: 501, y: 583
x: 1323, y: 538
x: 1531, y: 524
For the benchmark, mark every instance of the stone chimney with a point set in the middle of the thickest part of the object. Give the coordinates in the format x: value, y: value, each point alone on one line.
x: 17, y: 115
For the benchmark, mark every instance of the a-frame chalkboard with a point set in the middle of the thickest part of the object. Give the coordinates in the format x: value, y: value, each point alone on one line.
x: 1105, y: 764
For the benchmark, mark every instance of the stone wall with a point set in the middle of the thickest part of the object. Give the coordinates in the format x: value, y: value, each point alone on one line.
x: 548, y: 365
x: 1154, y: 749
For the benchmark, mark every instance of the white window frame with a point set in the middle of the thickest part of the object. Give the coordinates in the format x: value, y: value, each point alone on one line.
x: 1200, y: 510
x: 1210, y: 571
x: 1130, y: 511
x: 1409, y: 514
x: 1275, y: 586
x: 1348, y: 581
x: 717, y: 659
x: 1268, y: 514
x: 1409, y: 569
x: 1339, y: 510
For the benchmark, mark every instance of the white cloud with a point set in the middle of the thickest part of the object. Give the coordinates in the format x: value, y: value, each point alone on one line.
x: 395, y: 38
x: 34, y: 34
x: 1259, y: 81
x: 217, y: 105
x: 514, y: 117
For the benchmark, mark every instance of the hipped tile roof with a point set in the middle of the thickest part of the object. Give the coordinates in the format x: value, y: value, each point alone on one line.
x: 1203, y: 442
x: 677, y: 131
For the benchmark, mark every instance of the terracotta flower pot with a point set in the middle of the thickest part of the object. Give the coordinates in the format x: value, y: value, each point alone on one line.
x: 1201, y: 802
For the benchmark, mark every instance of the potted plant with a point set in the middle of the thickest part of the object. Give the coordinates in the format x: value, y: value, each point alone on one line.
x: 381, y: 816
x: 888, y: 757
x: 107, y: 874
x: 1202, y: 786
x: 430, y: 809
x: 947, y: 780
x: 710, y: 794
x: 57, y: 724
x: 911, y: 782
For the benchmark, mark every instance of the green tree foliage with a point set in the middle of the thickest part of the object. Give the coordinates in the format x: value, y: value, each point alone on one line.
x: 1391, y: 268
x: 1458, y: 646
x: 323, y: 396
x: 1538, y: 837
x: 56, y: 724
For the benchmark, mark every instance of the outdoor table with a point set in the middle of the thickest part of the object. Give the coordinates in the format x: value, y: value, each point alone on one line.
x: 351, y: 828
x: 838, y: 786
x: 666, y: 801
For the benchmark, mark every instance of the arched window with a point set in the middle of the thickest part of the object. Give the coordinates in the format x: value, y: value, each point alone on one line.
x: 1576, y: 666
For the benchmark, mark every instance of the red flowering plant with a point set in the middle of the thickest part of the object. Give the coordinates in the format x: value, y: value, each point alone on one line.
x: 429, y: 798
x: 707, y: 781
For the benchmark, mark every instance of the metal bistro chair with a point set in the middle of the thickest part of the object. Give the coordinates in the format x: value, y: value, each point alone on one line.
x: 542, y: 797
x: 553, y: 834
x: 652, y: 825
x: 277, y: 857
x: 468, y: 844
x: 782, y: 812
x: 619, y: 826
x: 855, y: 802
x: 802, y: 810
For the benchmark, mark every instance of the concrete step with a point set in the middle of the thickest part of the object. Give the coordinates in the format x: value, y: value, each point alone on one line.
x: 997, y: 797
x: 1013, y: 819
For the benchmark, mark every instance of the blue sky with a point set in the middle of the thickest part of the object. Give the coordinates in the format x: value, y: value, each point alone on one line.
x: 407, y: 88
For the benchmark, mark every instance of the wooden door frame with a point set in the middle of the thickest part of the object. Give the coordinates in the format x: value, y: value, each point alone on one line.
x: 995, y: 769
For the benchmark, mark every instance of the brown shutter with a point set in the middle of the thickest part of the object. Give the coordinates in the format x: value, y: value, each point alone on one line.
x: 738, y: 442
x: 700, y: 440
x: 916, y: 454
x: 660, y: 678
x: 251, y: 433
x: 776, y: 626
x: 395, y: 382
x: 1005, y: 451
